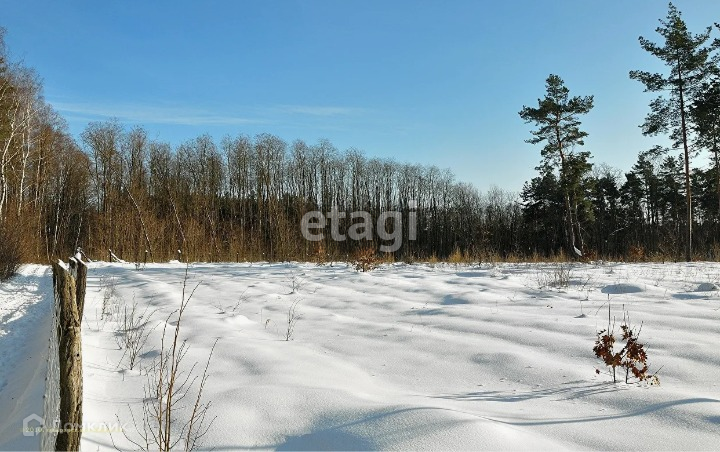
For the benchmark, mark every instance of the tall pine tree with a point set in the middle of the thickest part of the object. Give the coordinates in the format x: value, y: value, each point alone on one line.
x: 556, y: 117
x: 688, y: 58
x: 705, y: 112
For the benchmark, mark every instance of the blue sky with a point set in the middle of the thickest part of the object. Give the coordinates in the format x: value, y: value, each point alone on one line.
x: 431, y: 82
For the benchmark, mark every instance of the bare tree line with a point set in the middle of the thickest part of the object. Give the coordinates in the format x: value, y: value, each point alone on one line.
x: 42, y: 170
x: 244, y: 197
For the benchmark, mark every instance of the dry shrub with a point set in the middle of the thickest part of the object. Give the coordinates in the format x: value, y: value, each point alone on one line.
x: 292, y: 318
x: 560, y: 256
x: 491, y: 257
x: 590, y: 256
x: 715, y: 250
x: 169, y: 388
x: 10, y: 257
x: 387, y: 258
x: 636, y: 254
x: 557, y: 276
x: 632, y: 357
x: 538, y: 258
x: 410, y: 258
x: 133, y: 331
x: 366, y: 260
x: 456, y: 257
x: 320, y: 255
x: 535, y: 257
x: 513, y: 258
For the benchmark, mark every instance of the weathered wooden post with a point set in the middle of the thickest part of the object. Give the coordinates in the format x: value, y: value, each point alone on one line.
x: 70, y: 297
x: 79, y: 272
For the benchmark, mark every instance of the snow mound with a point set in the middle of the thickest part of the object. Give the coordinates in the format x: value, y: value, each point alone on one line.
x: 418, y: 428
x: 618, y: 289
x: 452, y: 299
x: 707, y: 287
x: 239, y: 320
x: 472, y: 274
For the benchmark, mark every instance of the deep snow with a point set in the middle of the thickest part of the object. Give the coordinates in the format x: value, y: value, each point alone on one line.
x: 25, y: 315
x: 418, y: 356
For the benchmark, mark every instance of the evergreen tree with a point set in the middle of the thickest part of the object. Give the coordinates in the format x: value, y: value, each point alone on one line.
x: 543, y: 212
x: 705, y: 112
x: 559, y: 127
x: 688, y: 59
x: 605, y: 201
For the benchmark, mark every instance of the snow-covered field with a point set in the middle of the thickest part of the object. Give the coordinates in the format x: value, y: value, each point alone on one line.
x: 25, y: 315
x: 416, y: 356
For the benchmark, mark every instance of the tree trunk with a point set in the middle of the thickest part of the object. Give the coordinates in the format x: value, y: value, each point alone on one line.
x: 717, y: 180
x: 70, y: 359
x: 142, y: 223
x: 26, y: 147
x: 688, y: 189
x: 569, y: 225
x: 569, y: 228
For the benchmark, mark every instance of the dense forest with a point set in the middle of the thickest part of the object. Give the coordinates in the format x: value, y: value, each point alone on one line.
x: 243, y: 198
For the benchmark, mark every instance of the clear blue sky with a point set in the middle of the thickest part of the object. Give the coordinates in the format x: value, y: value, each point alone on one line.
x: 432, y: 82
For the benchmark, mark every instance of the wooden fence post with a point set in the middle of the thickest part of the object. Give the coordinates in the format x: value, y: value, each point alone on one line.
x: 79, y: 271
x: 70, y: 359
